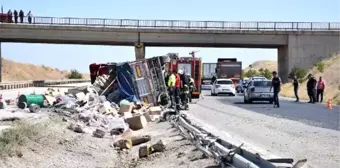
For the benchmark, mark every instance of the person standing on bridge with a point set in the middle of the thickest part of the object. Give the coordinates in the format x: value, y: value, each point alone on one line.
x: 15, y: 16
x: 276, y: 85
x: 21, y: 15
x: 10, y: 15
x: 29, y: 17
x: 296, y: 88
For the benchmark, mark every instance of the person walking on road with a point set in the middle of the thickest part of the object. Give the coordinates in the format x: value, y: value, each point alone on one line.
x: 21, y: 15
x: 15, y: 16
x: 191, y: 87
x: 311, y: 85
x: 213, y: 79
x: 320, y: 90
x: 276, y: 85
x: 296, y: 88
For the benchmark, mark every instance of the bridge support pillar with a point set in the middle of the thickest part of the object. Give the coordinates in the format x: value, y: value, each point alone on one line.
x: 139, y: 51
x: 283, y: 63
x: 0, y: 63
x: 303, y: 51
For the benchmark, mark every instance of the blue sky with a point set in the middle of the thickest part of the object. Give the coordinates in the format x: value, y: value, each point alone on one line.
x: 80, y: 56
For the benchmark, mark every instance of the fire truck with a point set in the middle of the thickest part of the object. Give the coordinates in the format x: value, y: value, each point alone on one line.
x: 190, y: 65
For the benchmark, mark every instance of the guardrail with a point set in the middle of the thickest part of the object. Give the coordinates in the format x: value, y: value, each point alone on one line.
x: 39, y: 83
x: 184, y: 24
x: 226, y: 153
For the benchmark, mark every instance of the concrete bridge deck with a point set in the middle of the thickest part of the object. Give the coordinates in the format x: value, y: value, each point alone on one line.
x: 300, y: 44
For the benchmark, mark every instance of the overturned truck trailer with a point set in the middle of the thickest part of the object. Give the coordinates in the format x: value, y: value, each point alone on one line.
x: 135, y: 81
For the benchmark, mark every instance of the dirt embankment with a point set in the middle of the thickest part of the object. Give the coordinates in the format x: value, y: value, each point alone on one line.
x: 331, y: 76
x: 15, y: 71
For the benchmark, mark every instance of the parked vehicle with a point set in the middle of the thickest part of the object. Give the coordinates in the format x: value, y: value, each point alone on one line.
x: 257, y: 78
x: 241, y: 85
x: 206, y: 84
x: 258, y: 90
x: 229, y: 68
x: 223, y: 86
x: 208, y: 70
x: 191, y: 65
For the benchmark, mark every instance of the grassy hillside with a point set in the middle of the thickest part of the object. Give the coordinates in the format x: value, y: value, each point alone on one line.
x: 15, y: 71
x: 331, y: 76
x: 271, y: 65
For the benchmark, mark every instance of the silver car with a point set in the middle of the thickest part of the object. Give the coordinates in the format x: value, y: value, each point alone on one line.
x: 258, y: 90
x: 206, y: 85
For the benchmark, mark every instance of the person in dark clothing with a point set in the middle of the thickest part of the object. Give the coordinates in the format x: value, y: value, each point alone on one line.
x: 311, y: 84
x: 213, y: 79
x: 15, y: 16
x: 276, y: 85
x: 296, y: 88
x: 10, y: 15
x: 21, y: 15
x: 184, y: 89
x: 320, y: 89
x: 29, y: 17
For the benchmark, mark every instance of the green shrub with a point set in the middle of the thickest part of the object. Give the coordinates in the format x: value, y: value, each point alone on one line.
x: 300, y: 74
x: 74, y: 75
x: 266, y: 73
x: 320, y: 66
x: 250, y: 73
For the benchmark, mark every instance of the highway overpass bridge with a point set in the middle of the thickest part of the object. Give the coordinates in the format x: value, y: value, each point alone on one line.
x: 299, y: 44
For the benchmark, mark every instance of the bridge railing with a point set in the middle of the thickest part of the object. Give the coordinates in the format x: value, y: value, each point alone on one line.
x: 38, y: 83
x: 183, y: 24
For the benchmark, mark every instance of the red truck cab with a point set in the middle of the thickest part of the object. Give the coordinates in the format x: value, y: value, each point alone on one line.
x: 191, y: 65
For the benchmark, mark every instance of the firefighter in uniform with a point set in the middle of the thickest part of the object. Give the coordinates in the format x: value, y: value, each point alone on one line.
x: 172, y: 84
x: 176, y: 92
x: 191, y: 87
x: 184, y: 89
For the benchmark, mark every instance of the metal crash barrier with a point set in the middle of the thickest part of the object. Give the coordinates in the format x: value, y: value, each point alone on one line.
x: 227, y: 154
x: 39, y: 83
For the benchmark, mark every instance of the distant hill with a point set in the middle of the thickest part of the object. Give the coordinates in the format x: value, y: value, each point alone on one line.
x: 271, y: 65
x: 15, y: 71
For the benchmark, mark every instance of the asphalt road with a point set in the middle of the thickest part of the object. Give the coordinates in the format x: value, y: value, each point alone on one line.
x: 312, y: 114
x: 296, y: 130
